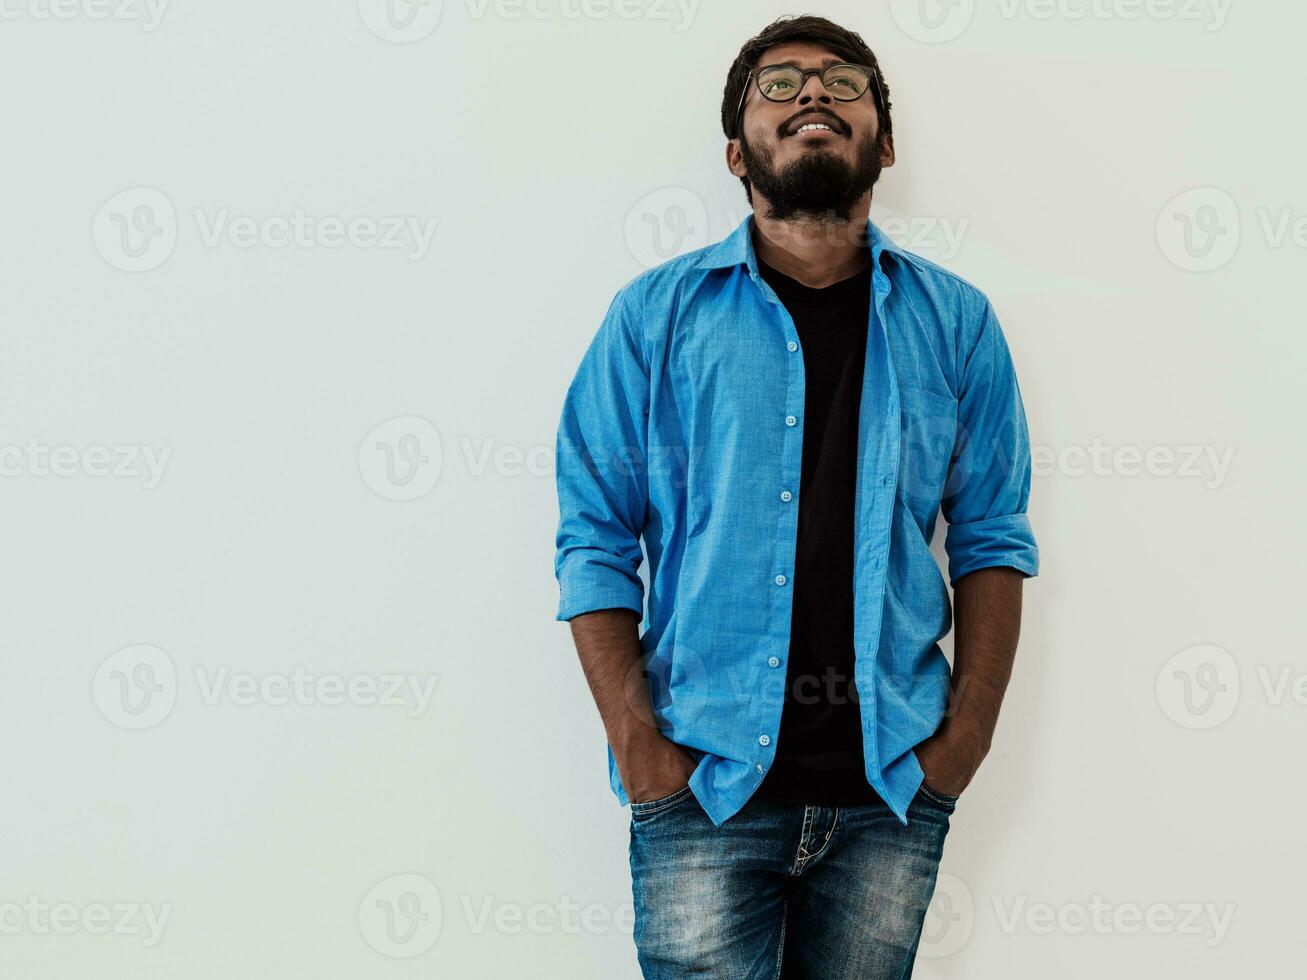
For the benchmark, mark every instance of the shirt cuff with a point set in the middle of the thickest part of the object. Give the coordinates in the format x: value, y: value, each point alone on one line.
x: 585, y: 585
x: 997, y: 542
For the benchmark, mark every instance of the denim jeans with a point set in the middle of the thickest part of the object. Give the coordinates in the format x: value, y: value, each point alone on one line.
x: 783, y: 890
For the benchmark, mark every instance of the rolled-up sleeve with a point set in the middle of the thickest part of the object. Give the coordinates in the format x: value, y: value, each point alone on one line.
x: 600, y: 461
x: 988, y: 487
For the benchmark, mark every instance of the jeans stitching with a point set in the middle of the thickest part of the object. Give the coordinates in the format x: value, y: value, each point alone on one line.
x: 939, y: 798
x: 801, y: 858
x: 829, y: 834
x: 658, y: 806
x: 780, y: 950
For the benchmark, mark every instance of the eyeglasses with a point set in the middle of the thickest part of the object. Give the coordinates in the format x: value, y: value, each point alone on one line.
x: 783, y: 83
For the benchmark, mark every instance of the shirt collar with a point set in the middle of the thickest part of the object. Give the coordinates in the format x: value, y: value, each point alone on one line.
x: 737, y: 248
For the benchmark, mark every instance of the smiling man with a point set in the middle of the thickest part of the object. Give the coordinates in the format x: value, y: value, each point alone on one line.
x: 779, y: 419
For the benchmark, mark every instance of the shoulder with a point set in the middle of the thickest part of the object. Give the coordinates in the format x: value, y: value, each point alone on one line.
x: 938, y: 287
x: 649, y: 302
x: 665, y: 280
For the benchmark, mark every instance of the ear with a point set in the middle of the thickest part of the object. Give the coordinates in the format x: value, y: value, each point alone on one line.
x: 887, y: 152
x: 735, y: 159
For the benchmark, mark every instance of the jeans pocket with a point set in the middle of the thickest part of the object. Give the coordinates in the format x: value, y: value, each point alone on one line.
x: 939, y: 799
x: 640, y: 811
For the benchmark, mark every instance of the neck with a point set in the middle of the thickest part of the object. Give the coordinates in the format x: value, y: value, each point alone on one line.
x: 817, y: 251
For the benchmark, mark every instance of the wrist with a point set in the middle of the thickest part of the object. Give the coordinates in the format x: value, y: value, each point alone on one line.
x: 634, y: 738
x: 971, y: 742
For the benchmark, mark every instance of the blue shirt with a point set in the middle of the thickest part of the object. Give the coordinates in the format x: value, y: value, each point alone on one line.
x: 683, y: 429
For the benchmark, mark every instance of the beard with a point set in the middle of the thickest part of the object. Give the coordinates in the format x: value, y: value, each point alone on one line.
x: 820, y: 184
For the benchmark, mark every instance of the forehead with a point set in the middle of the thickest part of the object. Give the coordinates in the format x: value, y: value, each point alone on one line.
x: 800, y: 54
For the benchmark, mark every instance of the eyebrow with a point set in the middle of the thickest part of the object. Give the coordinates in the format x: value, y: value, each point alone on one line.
x: 791, y: 63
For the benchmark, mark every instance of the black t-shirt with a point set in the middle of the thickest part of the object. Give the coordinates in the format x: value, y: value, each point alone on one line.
x: 819, y: 758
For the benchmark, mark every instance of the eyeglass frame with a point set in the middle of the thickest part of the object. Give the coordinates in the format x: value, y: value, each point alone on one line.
x: 877, y: 99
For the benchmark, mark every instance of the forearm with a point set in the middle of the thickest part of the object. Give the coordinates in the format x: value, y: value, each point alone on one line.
x: 987, y: 624
x: 608, y: 645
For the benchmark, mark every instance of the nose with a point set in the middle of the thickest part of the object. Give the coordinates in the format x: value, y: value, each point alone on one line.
x: 814, y: 90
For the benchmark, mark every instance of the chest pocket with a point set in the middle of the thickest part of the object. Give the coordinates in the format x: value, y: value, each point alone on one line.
x: 929, y: 421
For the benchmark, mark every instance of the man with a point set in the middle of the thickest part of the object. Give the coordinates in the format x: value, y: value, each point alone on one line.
x: 780, y: 418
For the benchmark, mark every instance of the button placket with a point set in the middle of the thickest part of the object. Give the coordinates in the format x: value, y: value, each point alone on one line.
x: 791, y: 468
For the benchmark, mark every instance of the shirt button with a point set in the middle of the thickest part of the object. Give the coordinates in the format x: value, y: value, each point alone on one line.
x: 886, y: 480
x: 787, y: 496
x: 764, y: 740
x: 791, y: 420
x: 761, y: 767
x: 791, y: 346
x: 781, y: 580
x: 773, y: 661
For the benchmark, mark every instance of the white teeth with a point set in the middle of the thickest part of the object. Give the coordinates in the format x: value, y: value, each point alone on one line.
x: 809, y: 126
